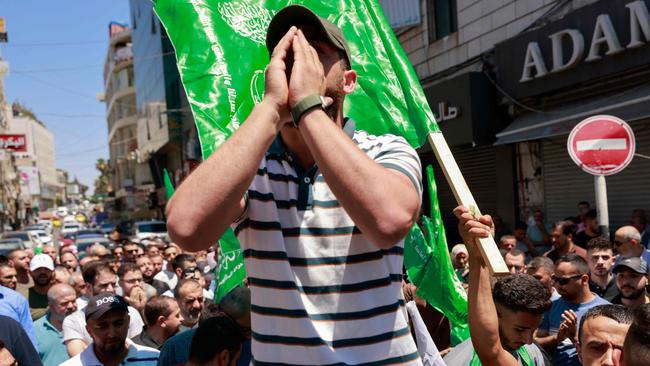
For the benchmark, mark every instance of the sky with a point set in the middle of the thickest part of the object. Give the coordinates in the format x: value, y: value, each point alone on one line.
x: 56, y: 54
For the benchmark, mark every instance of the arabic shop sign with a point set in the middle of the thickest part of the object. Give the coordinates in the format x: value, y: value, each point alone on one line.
x: 445, y: 112
x: 13, y: 142
x: 592, y: 42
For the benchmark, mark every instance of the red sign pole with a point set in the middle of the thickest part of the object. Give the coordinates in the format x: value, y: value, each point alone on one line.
x: 602, y: 145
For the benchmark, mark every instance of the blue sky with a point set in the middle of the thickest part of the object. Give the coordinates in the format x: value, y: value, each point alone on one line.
x: 56, y: 53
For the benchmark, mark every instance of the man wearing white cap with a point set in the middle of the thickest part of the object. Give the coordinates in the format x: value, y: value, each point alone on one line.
x: 41, y: 268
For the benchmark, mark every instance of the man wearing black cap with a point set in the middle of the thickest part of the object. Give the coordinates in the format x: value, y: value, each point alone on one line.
x: 631, y: 279
x: 320, y: 209
x: 107, y: 321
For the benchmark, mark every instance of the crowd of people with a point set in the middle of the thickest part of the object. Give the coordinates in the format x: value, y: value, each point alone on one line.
x: 592, y: 288
x: 138, y: 303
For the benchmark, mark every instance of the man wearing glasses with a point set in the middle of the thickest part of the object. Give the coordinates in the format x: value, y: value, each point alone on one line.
x: 558, y: 332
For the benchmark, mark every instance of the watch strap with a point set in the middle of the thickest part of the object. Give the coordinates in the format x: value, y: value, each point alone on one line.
x: 307, y: 103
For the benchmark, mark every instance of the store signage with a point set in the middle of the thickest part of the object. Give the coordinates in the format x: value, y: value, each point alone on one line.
x: 596, y: 40
x: 602, y: 145
x: 13, y: 142
x: 446, y: 112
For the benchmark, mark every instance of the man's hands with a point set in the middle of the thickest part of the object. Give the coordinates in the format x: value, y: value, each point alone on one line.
x: 568, y: 327
x: 472, y: 228
x: 137, y: 298
x: 307, y: 76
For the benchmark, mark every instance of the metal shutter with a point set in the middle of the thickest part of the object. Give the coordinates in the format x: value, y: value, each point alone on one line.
x: 401, y: 13
x: 565, y: 184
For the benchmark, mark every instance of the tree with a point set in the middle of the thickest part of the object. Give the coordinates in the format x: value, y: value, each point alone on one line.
x: 103, y: 182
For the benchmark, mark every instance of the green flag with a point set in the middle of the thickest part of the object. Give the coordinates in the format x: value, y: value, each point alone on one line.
x: 169, y: 187
x: 230, y: 269
x: 221, y: 56
x: 429, y: 267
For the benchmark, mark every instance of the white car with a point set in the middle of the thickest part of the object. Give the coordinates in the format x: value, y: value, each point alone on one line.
x: 70, y: 228
x: 47, y: 224
x: 43, y: 237
x: 150, y: 229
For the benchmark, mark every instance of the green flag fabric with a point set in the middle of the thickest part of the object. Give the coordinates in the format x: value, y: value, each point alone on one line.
x: 230, y: 267
x: 429, y: 268
x: 169, y: 187
x: 221, y: 56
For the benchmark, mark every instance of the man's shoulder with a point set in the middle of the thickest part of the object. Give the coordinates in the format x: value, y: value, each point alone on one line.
x: 141, y: 352
x: 74, y: 361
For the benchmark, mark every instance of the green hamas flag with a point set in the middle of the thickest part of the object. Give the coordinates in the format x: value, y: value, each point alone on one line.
x: 230, y: 268
x: 169, y: 187
x: 429, y: 268
x: 221, y: 56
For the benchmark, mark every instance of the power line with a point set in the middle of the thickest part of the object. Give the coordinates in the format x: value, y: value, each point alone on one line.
x: 53, y: 44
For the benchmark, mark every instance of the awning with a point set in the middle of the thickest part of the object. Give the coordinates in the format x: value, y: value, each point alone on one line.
x: 629, y: 105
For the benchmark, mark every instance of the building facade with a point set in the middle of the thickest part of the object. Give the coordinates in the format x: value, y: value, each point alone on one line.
x: 508, y: 80
x: 166, y: 133
x: 130, y: 179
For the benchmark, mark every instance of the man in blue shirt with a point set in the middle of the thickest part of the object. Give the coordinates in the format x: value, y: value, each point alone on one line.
x: 15, y: 306
x: 627, y: 242
x: 558, y: 332
x: 61, y: 301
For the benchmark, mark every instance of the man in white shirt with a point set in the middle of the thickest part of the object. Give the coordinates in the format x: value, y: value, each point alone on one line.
x: 107, y: 316
x: 99, y: 278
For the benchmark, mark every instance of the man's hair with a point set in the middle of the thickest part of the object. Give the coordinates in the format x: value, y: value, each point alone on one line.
x: 591, y: 214
x: 237, y: 302
x: 522, y: 292
x: 629, y: 233
x: 541, y: 262
x: 514, y: 252
x: 506, y: 237
x: 582, y: 203
x: 576, y: 261
x: 73, y: 278
x: 636, y: 348
x: 13, y: 253
x: 93, y: 270
x: 4, y: 261
x: 566, y: 227
x: 599, y: 243
x: 182, y: 283
x: 125, y: 268
x: 205, y: 346
x: 618, y: 313
x: 177, y: 262
x: 155, y: 307
x: 210, y: 309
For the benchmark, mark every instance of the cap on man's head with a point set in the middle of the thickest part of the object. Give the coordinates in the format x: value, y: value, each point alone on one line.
x: 41, y: 261
x: 637, y: 264
x: 103, y: 303
x: 302, y: 17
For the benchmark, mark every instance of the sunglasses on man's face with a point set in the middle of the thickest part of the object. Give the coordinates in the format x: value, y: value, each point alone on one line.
x: 564, y: 280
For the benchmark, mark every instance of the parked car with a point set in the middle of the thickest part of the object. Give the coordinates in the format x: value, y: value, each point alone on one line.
x: 84, y: 243
x: 43, y: 236
x: 70, y: 227
x: 95, y: 233
x: 7, y: 245
x: 150, y: 229
x: 30, y: 240
x: 106, y: 227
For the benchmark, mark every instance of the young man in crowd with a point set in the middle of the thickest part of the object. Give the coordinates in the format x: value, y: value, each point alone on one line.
x: 540, y: 232
x: 49, y: 328
x: 600, y: 257
x: 591, y: 230
x: 516, y: 261
x: 583, y: 208
x: 223, y: 350
x: 371, y: 185
x: 69, y: 260
x: 507, y: 243
x: 158, y: 263
x: 636, y: 348
x: 601, y: 335
x: 542, y: 269
x: 41, y: 268
x: 19, y: 259
x: 562, y: 235
x: 51, y: 251
x: 132, y: 286
x: 8, y: 277
x: 131, y: 251
x: 99, y: 278
x: 632, y: 281
x: 558, y: 331
x: 147, y: 269
x: 107, y: 319
x: 502, y: 320
x: 189, y: 295
x: 167, y: 274
x: 163, y: 320
x: 627, y: 242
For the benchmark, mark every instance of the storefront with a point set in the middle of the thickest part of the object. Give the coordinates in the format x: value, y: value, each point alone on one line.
x: 466, y: 111
x: 591, y: 61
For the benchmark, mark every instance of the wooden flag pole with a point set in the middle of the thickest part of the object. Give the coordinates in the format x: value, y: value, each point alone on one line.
x: 487, y: 246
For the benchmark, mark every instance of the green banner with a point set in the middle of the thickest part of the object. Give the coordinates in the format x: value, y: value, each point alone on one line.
x: 230, y: 268
x: 169, y: 187
x: 429, y: 268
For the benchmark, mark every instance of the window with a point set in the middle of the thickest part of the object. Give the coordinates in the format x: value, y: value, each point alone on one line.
x: 441, y: 18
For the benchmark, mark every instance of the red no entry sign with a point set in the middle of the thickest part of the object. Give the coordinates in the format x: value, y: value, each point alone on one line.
x: 602, y: 145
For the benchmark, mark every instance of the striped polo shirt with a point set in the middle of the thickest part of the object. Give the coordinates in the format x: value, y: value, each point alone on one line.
x: 321, y: 292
